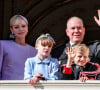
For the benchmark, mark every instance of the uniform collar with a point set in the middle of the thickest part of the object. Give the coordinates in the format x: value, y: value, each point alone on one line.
x: 77, y: 66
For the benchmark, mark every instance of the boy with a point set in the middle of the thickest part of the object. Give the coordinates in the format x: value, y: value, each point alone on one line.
x: 78, y: 65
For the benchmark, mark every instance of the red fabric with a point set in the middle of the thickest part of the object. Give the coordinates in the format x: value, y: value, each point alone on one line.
x: 92, y: 78
x: 67, y: 70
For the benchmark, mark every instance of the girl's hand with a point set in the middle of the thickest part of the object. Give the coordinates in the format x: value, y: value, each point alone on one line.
x: 97, y: 20
x: 35, y: 79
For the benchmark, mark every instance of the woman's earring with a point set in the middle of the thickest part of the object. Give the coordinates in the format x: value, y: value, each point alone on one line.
x: 12, y: 36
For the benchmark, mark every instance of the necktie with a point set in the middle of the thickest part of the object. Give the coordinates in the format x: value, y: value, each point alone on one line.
x: 73, y: 45
x: 77, y: 72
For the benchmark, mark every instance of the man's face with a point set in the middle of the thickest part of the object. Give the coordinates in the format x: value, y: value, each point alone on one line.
x: 75, y: 30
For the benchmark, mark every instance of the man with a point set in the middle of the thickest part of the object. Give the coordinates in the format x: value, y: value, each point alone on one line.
x: 75, y: 31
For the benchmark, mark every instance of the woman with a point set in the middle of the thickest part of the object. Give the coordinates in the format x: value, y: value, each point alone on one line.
x: 13, y: 53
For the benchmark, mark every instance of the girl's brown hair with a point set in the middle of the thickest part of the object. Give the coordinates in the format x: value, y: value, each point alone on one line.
x: 46, y: 42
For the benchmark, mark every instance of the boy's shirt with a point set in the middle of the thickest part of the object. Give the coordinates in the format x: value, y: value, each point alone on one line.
x: 73, y: 73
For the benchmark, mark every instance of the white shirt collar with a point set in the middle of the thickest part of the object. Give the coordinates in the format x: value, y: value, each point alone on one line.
x: 73, y: 43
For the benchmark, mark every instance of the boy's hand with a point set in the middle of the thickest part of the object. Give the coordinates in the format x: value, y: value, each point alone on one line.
x: 71, y: 56
x: 83, y: 78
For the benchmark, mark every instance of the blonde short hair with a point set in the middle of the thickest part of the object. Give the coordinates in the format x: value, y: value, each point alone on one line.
x: 16, y: 18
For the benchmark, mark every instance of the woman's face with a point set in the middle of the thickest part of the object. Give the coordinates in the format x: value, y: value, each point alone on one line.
x: 19, y: 29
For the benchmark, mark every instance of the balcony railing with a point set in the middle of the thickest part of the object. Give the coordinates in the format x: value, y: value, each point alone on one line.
x: 50, y: 85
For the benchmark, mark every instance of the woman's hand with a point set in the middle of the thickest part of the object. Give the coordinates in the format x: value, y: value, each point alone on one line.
x: 97, y: 20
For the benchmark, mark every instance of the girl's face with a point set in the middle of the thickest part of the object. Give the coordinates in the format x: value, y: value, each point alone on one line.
x: 81, y: 58
x: 43, y: 50
x: 19, y: 29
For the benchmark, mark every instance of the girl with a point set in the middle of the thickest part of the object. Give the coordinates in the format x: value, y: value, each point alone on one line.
x: 42, y: 66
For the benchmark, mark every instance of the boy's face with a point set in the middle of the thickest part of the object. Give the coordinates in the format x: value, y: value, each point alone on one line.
x: 43, y: 50
x: 81, y: 58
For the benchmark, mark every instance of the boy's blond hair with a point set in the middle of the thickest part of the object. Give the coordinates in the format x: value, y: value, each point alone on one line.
x: 81, y: 48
